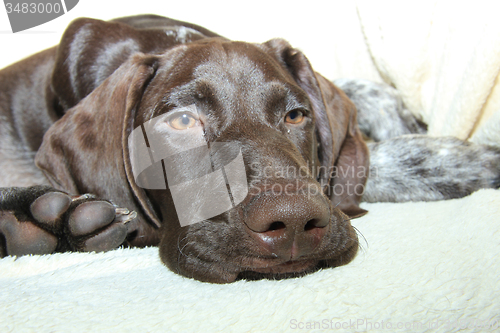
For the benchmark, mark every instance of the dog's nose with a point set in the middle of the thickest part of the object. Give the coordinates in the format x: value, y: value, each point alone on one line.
x: 288, y: 225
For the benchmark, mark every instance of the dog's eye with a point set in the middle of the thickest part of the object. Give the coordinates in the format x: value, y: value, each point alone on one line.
x: 181, y: 121
x: 294, y: 117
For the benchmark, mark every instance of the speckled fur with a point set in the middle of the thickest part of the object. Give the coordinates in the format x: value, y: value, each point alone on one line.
x: 406, y: 164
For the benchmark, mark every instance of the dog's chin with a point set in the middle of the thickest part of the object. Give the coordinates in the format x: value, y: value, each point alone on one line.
x: 298, y: 268
x: 268, y: 269
x: 284, y: 270
x: 295, y: 266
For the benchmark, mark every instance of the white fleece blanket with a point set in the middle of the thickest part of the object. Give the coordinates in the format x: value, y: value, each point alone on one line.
x: 426, y: 267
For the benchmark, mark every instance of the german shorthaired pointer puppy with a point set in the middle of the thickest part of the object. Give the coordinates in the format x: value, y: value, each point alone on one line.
x: 83, y: 122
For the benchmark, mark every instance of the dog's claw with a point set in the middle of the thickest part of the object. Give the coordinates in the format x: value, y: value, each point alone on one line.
x: 124, y: 215
x: 82, y: 197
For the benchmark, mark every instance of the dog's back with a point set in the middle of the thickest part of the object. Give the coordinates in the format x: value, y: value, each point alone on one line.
x: 25, y: 115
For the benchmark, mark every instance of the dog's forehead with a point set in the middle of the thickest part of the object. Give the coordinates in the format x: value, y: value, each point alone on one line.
x: 216, y: 61
x: 237, y: 61
x: 231, y: 71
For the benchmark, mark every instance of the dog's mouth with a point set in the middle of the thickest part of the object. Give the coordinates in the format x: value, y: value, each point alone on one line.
x: 274, y: 266
x: 278, y: 271
x: 292, y: 266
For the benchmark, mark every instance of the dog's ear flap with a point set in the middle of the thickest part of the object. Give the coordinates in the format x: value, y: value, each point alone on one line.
x: 85, y: 151
x: 342, y: 152
x: 353, y: 162
x: 91, y: 50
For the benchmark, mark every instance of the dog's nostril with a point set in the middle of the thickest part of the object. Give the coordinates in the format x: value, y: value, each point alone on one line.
x: 311, y: 224
x: 276, y: 226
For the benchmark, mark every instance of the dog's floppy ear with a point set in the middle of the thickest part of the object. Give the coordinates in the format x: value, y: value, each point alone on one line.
x: 342, y: 153
x: 86, y: 151
x: 352, y: 161
x: 91, y: 50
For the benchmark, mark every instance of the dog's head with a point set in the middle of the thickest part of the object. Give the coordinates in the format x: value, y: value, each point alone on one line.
x: 255, y: 155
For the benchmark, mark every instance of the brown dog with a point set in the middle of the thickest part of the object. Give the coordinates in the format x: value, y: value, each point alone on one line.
x: 75, y: 106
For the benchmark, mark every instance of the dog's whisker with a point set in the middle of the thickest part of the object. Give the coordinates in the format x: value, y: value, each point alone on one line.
x: 360, y: 233
x: 345, y: 197
x: 178, y: 245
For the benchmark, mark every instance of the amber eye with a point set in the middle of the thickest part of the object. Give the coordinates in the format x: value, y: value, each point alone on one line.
x: 294, y: 117
x: 181, y: 121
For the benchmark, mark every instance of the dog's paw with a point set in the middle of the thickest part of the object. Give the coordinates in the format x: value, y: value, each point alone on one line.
x: 22, y: 237
x: 40, y: 220
x: 96, y: 225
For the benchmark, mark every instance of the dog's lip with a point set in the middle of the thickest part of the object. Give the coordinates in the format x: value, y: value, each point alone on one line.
x: 260, y: 265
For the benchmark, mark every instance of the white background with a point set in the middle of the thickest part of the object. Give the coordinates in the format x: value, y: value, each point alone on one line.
x: 307, y: 25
